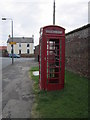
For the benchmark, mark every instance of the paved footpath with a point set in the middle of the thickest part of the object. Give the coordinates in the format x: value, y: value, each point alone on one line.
x: 17, y: 93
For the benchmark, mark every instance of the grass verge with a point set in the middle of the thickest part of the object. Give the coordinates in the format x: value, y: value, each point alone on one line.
x: 70, y: 102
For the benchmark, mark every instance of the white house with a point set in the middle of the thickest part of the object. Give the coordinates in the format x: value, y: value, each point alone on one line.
x: 24, y: 45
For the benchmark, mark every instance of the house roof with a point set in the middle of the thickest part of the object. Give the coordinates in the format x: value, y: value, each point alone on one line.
x: 21, y: 40
x: 3, y: 47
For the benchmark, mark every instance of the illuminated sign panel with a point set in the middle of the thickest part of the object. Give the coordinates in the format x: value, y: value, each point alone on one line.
x: 54, y: 31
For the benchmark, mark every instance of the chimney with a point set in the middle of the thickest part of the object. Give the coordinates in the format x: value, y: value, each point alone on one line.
x: 33, y: 38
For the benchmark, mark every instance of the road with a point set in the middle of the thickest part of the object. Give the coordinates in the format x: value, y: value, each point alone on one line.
x: 5, y: 61
x: 17, y: 92
x: 5, y: 73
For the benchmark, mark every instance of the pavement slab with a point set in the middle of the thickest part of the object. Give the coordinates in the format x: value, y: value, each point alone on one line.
x: 17, y: 92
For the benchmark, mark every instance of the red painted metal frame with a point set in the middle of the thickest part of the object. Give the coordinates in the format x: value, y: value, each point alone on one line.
x: 54, y: 36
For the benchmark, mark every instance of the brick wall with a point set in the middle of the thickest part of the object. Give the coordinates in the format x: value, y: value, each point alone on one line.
x: 76, y: 50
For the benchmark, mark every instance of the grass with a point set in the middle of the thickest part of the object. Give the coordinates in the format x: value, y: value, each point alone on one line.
x: 70, y: 102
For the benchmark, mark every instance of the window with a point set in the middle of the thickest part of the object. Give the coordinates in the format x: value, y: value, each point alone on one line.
x: 19, y: 51
x: 27, y: 45
x: 19, y: 44
x: 27, y: 51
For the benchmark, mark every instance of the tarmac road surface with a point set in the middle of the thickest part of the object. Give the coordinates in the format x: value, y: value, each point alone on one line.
x: 5, y: 61
x: 17, y: 93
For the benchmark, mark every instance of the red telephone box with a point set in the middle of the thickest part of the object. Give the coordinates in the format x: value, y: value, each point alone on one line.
x: 51, y: 57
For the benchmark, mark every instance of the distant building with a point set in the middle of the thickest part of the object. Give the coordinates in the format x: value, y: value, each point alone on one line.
x: 3, y: 48
x: 3, y: 51
x: 23, y: 46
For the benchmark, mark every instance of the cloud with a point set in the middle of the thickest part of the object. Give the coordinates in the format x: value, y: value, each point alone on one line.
x: 30, y: 15
x: 73, y: 15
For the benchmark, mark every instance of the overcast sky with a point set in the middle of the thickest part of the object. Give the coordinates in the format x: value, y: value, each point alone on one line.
x: 30, y: 15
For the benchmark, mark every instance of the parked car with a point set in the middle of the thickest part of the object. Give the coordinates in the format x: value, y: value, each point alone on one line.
x: 14, y: 55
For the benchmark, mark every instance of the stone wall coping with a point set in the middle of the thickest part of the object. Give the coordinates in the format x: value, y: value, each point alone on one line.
x: 78, y: 29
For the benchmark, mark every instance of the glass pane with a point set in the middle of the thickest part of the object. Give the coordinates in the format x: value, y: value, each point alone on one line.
x: 53, y: 60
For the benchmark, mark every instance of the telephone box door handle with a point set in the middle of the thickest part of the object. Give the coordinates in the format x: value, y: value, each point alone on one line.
x: 44, y: 58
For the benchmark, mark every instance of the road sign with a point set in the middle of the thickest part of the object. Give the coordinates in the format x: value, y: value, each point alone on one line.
x: 12, y: 43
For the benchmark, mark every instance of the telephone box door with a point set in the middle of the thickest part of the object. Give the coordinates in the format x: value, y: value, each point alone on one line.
x: 55, y: 68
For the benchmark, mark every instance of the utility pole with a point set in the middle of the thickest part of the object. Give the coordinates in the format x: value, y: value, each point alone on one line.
x: 54, y: 13
x: 12, y: 44
x: 12, y: 37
